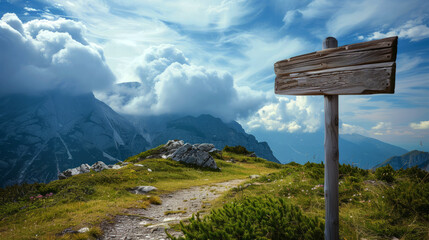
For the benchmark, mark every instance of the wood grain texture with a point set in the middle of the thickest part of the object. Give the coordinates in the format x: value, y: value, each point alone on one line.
x: 331, y: 168
x: 362, y: 68
x: 352, y: 80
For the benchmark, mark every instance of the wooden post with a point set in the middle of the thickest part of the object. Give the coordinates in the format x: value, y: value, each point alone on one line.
x: 331, y: 159
x: 355, y: 69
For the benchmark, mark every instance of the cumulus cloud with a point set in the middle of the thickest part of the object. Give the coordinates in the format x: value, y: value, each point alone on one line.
x: 43, y: 55
x: 350, y: 129
x: 382, y: 128
x: 414, y: 30
x: 422, y: 125
x: 170, y: 84
x: 290, y: 115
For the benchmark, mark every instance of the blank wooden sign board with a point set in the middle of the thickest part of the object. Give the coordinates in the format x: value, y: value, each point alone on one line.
x: 361, y: 68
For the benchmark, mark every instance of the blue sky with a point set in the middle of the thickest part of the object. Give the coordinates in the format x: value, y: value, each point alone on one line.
x: 217, y: 57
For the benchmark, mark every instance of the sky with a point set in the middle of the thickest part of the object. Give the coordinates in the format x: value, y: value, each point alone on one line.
x: 216, y: 57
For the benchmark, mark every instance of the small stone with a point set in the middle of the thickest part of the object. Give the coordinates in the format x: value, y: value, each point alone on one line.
x: 149, y: 170
x: 116, y: 167
x: 138, y: 165
x: 254, y: 176
x: 83, y: 230
x: 143, y: 189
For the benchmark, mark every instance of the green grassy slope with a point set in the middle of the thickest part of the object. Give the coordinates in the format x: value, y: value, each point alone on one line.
x: 380, y: 205
x: 43, y: 211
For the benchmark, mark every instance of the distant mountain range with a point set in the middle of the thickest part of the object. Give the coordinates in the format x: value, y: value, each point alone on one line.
x: 355, y: 149
x: 408, y: 160
x: 41, y: 136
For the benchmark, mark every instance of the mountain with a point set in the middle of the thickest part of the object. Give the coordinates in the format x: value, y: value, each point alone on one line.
x: 202, y: 129
x: 43, y: 135
x: 408, y: 160
x: 355, y: 149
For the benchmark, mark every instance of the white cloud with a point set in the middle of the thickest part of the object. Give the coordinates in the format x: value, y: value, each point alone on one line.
x: 406, y: 62
x: 382, y: 128
x: 216, y: 14
x: 422, y: 125
x: 302, y: 113
x: 413, y: 30
x: 350, y: 129
x: 169, y: 84
x: 43, y: 55
x: 29, y: 9
x: 341, y: 17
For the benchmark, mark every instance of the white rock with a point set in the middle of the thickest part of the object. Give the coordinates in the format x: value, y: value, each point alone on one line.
x: 116, y: 167
x: 83, y: 230
x: 143, y: 189
x: 99, y: 166
x: 138, y: 165
x: 254, y: 176
x: 149, y: 170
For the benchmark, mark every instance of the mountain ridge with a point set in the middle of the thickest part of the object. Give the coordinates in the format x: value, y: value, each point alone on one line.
x: 43, y: 135
x: 408, y: 160
x: 354, y: 149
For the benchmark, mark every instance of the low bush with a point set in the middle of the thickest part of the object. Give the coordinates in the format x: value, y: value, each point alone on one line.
x: 386, y: 173
x: 254, y: 218
x: 236, y: 149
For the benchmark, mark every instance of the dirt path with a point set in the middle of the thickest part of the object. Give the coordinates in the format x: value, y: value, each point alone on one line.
x: 150, y: 223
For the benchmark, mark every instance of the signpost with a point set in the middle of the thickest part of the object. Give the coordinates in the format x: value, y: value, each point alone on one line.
x: 361, y: 68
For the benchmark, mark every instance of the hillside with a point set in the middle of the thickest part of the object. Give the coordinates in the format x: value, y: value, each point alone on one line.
x: 384, y: 204
x: 411, y: 159
x: 86, y: 200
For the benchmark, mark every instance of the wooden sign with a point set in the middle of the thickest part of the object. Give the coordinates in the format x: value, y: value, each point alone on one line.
x: 361, y: 68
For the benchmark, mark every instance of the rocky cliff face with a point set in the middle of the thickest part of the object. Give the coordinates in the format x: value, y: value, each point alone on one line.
x: 204, y: 128
x: 408, y: 160
x: 41, y: 136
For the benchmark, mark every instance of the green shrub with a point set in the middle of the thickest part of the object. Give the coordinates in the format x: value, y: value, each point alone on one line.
x: 236, y: 149
x: 348, y: 170
x: 415, y: 174
x: 386, y: 173
x: 254, y: 218
x: 408, y: 199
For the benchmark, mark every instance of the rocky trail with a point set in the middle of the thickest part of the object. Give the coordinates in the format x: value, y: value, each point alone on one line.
x: 176, y: 206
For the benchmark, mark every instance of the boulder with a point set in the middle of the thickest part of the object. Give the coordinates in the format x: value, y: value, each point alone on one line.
x: 143, y: 189
x: 84, y: 168
x: 193, y: 155
x: 172, y: 145
x: 99, y: 166
x: 206, y: 147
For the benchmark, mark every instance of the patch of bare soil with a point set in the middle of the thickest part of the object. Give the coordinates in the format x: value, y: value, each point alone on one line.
x: 180, y: 205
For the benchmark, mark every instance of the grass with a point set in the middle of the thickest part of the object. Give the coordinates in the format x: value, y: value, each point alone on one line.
x: 45, y: 210
x: 370, y: 208
x: 174, y: 212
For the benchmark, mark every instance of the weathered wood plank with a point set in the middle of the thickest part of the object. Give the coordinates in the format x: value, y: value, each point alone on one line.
x: 377, y: 51
x: 360, y: 79
x: 331, y: 168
